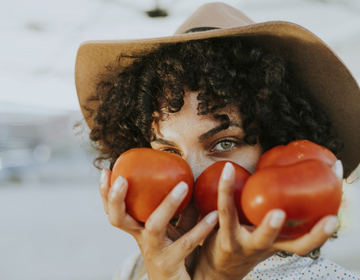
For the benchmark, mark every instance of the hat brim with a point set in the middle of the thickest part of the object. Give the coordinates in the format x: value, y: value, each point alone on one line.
x: 316, y: 67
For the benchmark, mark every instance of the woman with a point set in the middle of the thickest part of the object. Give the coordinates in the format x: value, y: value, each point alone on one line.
x: 227, y: 89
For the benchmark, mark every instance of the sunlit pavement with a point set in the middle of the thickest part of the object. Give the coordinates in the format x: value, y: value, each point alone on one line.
x: 52, y: 225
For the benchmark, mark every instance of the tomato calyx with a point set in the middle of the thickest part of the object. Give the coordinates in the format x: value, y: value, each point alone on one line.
x: 295, y: 152
x: 295, y: 222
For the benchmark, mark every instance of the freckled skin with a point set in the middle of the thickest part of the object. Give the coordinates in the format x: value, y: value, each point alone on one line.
x: 183, y: 129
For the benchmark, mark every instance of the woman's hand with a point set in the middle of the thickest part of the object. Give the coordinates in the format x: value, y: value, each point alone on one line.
x: 233, y: 250
x: 168, y: 252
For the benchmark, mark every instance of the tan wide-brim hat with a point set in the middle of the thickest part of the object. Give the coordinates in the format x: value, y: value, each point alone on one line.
x: 317, y: 68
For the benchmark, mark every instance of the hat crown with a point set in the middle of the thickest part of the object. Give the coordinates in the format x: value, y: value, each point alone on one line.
x: 217, y: 15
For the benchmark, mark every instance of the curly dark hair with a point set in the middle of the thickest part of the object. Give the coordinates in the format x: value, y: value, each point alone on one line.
x: 275, y: 110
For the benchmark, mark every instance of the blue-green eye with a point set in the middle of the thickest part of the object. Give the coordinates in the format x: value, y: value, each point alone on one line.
x: 172, y: 151
x: 224, y: 145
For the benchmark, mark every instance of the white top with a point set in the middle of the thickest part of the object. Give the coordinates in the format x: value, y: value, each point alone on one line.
x: 275, y: 267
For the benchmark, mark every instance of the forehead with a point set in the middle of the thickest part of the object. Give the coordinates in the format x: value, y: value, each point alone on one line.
x: 188, y: 120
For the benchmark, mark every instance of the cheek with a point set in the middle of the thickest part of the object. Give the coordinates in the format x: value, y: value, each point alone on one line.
x: 252, y: 167
x: 249, y: 158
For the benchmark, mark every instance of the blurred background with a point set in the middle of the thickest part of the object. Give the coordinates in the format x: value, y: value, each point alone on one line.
x: 52, y: 224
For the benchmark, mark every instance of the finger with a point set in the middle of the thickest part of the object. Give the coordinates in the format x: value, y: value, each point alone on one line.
x: 161, y: 216
x: 104, y: 187
x: 318, y: 235
x: 227, y: 210
x: 188, y: 219
x: 159, y: 219
x: 183, y: 246
x: 118, y: 216
x: 265, y: 234
x: 338, y: 170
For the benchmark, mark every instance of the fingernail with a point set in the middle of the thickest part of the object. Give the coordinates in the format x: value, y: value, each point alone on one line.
x: 277, y: 218
x: 118, y: 183
x: 102, y: 177
x: 227, y: 171
x: 179, y: 190
x: 212, y: 217
x: 330, y: 225
x: 338, y: 169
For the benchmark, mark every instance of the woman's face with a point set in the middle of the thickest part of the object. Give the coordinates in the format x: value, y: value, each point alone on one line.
x: 200, y: 140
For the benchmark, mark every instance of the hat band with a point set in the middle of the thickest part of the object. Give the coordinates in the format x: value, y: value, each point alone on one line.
x: 200, y: 29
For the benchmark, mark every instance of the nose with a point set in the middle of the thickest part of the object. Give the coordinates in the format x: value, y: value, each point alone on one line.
x: 197, y: 164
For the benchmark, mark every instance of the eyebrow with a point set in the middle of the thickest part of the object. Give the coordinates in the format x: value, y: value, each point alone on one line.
x: 164, y: 142
x: 203, y: 137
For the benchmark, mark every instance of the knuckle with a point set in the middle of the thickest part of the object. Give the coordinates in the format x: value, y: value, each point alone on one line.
x: 227, y: 248
x: 226, y: 189
x: 102, y: 189
x: 113, y: 197
x: 171, y: 204
x: 186, y: 244
x: 114, y: 222
x: 150, y: 228
x: 224, y: 211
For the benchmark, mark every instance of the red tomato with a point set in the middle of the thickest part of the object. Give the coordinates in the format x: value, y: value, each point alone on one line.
x: 294, y: 152
x: 151, y: 176
x: 307, y: 190
x: 206, y: 189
